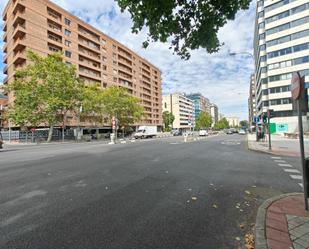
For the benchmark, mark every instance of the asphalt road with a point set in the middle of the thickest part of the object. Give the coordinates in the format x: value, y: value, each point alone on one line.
x: 144, y: 195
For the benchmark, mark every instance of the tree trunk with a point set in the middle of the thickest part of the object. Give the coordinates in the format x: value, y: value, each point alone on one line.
x: 50, y: 133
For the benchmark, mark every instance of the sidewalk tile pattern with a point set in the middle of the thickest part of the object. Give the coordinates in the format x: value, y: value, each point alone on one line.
x: 299, y: 231
x: 287, y: 224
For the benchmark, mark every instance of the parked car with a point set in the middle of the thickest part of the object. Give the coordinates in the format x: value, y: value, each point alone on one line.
x: 242, y: 132
x: 229, y: 132
x: 1, y: 141
x: 203, y: 133
x: 146, y: 132
x: 177, y: 133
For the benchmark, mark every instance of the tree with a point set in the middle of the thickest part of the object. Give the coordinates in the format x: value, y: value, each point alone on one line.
x: 222, y: 124
x: 244, y: 124
x: 44, y: 91
x: 203, y: 121
x: 186, y: 24
x: 117, y: 102
x: 168, y: 119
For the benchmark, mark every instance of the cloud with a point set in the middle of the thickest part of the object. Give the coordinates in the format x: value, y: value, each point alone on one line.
x: 223, y: 79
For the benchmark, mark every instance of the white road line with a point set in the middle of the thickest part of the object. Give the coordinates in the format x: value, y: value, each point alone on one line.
x: 298, y: 177
x: 301, y: 185
x: 285, y: 165
x: 291, y: 170
x: 280, y: 161
x: 275, y: 157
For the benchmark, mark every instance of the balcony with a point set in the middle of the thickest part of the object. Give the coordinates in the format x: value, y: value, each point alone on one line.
x: 18, y: 20
x: 5, y: 69
x: 19, y: 32
x: 5, y: 48
x: 124, y: 68
x: 89, y: 73
x: 124, y: 53
x: 89, y: 63
x: 5, y: 27
x: 19, y: 45
x: 54, y: 37
x: 124, y: 60
x: 89, y: 34
x: 19, y: 7
x: 54, y: 14
x: 5, y: 80
x: 89, y: 44
x: 19, y: 58
x: 88, y: 52
x: 4, y: 38
x: 53, y: 26
x: 54, y: 48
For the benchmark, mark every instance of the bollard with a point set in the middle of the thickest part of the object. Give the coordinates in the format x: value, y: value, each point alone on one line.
x: 185, y: 136
x: 112, y: 138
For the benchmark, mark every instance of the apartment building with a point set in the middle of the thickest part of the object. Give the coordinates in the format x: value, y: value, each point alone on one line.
x: 214, y: 112
x: 201, y: 103
x: 251, y: 100
x: 44, y: 27
x: 182, y: 108
x: 281, y: 47
x: 233, y: 121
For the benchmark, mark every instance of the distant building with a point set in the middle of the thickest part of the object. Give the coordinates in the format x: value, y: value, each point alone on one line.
x: 201, y: 103
x: 221, y: 116
x: 233, y: 121
x: 251, y: 100
x: 214, y: 113
x: 182, y: 108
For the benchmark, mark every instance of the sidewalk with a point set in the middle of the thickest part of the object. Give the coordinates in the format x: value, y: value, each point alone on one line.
x: 280, y: 145
x: 283, y: 223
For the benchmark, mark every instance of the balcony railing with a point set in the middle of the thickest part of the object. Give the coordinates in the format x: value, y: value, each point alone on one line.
x: 54, y: 14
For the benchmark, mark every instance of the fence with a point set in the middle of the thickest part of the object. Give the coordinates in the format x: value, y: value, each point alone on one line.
x: 36, y: 136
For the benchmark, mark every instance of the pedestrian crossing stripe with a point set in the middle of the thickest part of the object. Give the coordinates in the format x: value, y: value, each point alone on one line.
x: 275, y: 157
x: 298, y: 177
x: 285, y: 165
x: 292, y: 170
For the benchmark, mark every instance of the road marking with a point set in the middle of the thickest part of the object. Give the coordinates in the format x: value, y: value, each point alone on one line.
x: 291, y: 170
x: 300, y: 184
x: 298, y: 177
x: 279, y: 161
x: 174, y: 143
x: 275, y: 157
x: 285, y: 165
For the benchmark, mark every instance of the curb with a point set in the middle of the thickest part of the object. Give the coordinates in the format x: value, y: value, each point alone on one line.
x: 260, y: 236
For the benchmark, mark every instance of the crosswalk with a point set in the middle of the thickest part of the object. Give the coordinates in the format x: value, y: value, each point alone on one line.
x: 295, y: 174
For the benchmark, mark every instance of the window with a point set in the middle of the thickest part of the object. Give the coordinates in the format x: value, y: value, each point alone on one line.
x: 278, y: 29
x: 68, y: 54
x: 104, y: 59
x: 114, y: 46
x: 301, y: 21
x: 67, y: 21
x: 260, y: 3
x: 68, y: 43
x: 262, y: 47
x: 67, y: 32
x: 115, y: 79
x: 277, y: 5
x: 261, y: 25
x: 262, y: 36
x: 261, y: 14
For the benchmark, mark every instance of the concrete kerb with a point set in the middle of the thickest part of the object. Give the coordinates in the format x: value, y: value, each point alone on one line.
x: 260, y: 224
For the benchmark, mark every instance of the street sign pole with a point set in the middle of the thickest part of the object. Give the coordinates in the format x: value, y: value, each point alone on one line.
x: 298, y: 92
x: 269, y: 136
x: 302, y: 152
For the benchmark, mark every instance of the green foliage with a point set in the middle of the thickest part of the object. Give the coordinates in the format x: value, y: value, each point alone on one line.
x: 118, y: 103
x: 44, y: 91
x: 168, y: 119
x: 203, y: 121
x: 187, y: 24
x: 244, y: 123
x: 222, y: 124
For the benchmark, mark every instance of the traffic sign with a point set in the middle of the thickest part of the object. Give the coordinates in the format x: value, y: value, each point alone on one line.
x: 296, y: 85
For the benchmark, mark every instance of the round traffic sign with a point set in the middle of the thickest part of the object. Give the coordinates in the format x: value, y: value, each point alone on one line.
x: 296, y: 86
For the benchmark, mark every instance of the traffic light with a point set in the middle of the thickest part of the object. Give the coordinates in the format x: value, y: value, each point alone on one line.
x: 264, y: 118
x: 270, y: 113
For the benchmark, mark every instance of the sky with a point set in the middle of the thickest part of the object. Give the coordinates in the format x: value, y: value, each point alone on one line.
x: 222, y: 78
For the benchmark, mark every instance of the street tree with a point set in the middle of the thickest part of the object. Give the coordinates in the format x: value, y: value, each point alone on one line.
x: 168, y: 119
x: 117, y: 102
x: 244, y: 124
x: 187, y: 25
x: 44, y: 92
x: 222, y: 124
x: 203, y: 121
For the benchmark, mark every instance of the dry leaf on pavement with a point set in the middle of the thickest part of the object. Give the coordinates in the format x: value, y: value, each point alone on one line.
x: 194, y: 198
x: 215, y: 206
